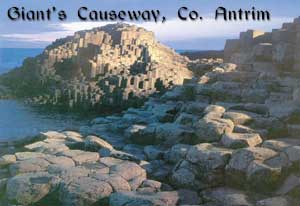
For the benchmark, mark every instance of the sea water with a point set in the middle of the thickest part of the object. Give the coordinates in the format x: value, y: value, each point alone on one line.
x: 18, y: 120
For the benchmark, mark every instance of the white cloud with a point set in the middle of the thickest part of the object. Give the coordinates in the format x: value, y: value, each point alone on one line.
x: 39, y: 37
x: 172, y: 30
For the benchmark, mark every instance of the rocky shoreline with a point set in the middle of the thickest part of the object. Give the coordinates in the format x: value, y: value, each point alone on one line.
x: 180, y: 149
x: 227, y: 137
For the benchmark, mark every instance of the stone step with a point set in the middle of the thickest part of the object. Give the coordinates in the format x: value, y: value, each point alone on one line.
x: 240, y: 140
x: 237, y: 117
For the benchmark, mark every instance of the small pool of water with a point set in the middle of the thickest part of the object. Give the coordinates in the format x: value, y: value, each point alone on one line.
x: 18, y: 120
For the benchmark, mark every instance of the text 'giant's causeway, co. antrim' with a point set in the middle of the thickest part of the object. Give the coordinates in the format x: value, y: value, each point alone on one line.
x: 227, y: 137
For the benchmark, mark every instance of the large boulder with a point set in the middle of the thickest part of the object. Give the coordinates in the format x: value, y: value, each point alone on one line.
x: 263, y: 177
x: 181, y: 197
x: 242, y: 158
x: 153, y: 152
x: 208, y: 156
x: 29, y: 166
x: 80, y: 157
x: 94, y: 143
x: 249, y: 167
x: 49, y: 146
x: 73, y: 136
x: 184, y: 175
x: 280, y: 144
x: 177, y: 152
x: 172, y: 133
x: 61, y: 161
x: 214, y: 109
x: 211, y: 130
x: 29, y: 155
x: 141, y: 134
x: 118, y: 183
x: 27, y: 189
x: 210, y: 162
x: 203, y: 167
x: 238, y: 118
x: 53, y: 135
x: 131, y: 172
x: 84, y: 191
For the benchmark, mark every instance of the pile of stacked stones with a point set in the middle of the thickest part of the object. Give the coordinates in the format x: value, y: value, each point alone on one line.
x: 109, y: 65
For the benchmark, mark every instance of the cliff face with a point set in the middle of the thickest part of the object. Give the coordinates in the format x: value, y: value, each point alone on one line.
x: 274, y: 56
x: 276, y: 50
x: 103, y: 66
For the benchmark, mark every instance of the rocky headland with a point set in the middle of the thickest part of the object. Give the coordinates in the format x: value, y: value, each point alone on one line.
x: 227, y: 137
x: 114, y: 66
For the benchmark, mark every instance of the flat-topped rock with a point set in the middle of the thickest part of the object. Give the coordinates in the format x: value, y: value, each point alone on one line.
x: 84, y: 191
x: 240, y: 140
x: 50, y: 146
x: 181, y: 197
x: 29, y: 155
x: 7, y: 160
x: 96, y: 143
x: 242, y: 158
x: 237, y: 118
x: 177, y: 152
x: 208, y: 155
x: 211, y: 130
x: 28, y: 166
x: 73, y: 136
x: 53, y: 135
x: 30, y: 188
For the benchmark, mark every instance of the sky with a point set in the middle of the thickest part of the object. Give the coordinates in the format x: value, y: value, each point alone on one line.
x: 207, y: 34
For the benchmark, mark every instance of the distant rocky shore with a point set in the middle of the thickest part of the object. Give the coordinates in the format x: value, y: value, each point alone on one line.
x: 227, y: 137
x: 206, y: 54
x: 4, y: 92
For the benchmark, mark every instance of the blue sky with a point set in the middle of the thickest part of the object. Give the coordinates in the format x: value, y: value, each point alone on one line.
x: 208, y: 34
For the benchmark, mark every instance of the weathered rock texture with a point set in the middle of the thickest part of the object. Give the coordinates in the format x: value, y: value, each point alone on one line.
x: 48, y: 172
x: 110, y: 65
x: 278, y: 49
x: 228, y: 137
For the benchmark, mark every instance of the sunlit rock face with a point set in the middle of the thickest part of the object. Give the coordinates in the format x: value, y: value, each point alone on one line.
x: 106, y: 66
x: 277, y: 49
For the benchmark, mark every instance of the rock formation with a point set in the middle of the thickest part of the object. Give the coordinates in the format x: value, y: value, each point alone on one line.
x: 110, y: 65
x: 267, y: 50
x: 228, y: 137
